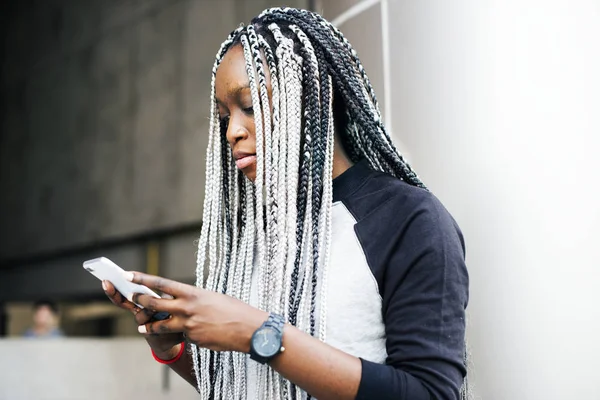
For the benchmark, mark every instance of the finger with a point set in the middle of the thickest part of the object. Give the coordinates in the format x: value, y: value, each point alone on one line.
x: 176, y: 289
x: 117, y: 298
x: 172, y: 306
x: 166, y: 296
x: 144, y: 316
x: 171, y: 325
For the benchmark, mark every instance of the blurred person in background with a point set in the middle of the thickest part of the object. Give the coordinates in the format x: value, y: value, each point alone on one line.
x: 325, y: 267
x: 45, y: 321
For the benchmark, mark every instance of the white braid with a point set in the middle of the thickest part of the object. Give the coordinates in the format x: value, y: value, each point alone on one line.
x: 277, y: 200
x: 260, y: 261
x: 210, y: 194
x: 227, y: 277
x: 248, y: 264
x: 325, y: 219
x: 289, y: 176
x: 258, y: 182
x: 289, y: 67
x: 269, y: 172
x: 277, y: 197
x: 234, y: 205
x: 212, y: 210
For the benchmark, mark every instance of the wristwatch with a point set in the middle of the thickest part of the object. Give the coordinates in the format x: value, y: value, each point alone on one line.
x: 266, y: 340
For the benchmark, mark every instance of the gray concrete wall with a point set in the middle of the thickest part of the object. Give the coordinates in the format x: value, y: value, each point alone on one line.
x: 75, y: 369
x: 104, y: 116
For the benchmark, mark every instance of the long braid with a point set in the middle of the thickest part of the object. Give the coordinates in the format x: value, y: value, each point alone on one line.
x: 325, y: 161
x: 270, y: 185
x: 227, y: 222
x: 277, y: 198
x: 265, y: 116
x: 248, y: 263
x: 312, y: 130
x: 314, y: 82
x: 340, y: 36
x: 250, y: 54
x: 289, y: 71
x: 286, y: 46
x: 224, y: 383
x: 302, y: 202
x: 212, y: 195
x: 277, y: 214
x: 327, y: 213
x: 324, y: 221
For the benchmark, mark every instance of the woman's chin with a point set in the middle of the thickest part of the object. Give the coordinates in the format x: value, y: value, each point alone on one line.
x: 250, y: 172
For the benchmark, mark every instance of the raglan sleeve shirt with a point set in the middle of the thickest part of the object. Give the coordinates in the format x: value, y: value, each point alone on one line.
x: 416, y: 252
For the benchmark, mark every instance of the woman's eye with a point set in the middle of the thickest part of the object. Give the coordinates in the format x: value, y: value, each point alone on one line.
x: 249, y: 110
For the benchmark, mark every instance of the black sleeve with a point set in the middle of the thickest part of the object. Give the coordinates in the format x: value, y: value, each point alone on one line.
x: 423, y: 281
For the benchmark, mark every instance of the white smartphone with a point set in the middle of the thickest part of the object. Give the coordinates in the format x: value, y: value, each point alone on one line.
x: 106, y: 270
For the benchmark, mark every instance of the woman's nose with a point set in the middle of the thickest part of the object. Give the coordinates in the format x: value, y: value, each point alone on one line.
x: 236, y: 132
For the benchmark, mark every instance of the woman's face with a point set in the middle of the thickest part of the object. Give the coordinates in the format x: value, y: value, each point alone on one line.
x: 234, y: 100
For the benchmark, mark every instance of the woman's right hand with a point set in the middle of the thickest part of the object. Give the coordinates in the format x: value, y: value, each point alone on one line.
x: 165, y: 346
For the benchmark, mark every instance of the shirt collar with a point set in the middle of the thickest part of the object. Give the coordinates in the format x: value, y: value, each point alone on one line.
x: 350, y: 180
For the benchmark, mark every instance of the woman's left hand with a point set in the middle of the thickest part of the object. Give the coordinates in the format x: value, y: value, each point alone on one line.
x: 208, y: 319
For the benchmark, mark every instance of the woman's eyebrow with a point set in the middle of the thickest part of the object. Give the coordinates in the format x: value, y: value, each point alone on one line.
x: 234, y: 92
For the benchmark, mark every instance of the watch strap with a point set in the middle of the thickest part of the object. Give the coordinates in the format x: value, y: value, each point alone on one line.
x: 276, y: 322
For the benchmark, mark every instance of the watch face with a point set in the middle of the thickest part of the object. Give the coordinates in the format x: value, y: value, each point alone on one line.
x: 266, y: 342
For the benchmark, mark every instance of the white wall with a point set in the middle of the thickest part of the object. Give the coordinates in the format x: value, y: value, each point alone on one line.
x: 498, y: 104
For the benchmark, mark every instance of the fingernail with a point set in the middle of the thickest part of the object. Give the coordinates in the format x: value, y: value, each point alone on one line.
x: 104, y: 286
x: 142, y: 329
x: 129, y: 276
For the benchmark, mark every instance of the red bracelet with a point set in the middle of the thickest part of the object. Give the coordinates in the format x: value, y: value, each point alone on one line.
x: 171, y: 361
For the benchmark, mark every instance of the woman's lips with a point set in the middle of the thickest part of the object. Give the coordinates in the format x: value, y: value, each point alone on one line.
x: 246, y: 161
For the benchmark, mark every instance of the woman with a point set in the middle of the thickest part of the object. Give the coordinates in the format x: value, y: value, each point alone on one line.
x: 325, y: 268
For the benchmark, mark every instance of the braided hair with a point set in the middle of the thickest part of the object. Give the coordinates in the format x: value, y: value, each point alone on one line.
x: 278, y: 228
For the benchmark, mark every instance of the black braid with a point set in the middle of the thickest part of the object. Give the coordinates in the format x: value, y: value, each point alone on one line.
x: 352, y: 52
x: 317, y: 149
x: 363, y: 74
x: 320, y: 157
x: 351, y: 90
x: 228, y: 217
x: 305, y: 168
